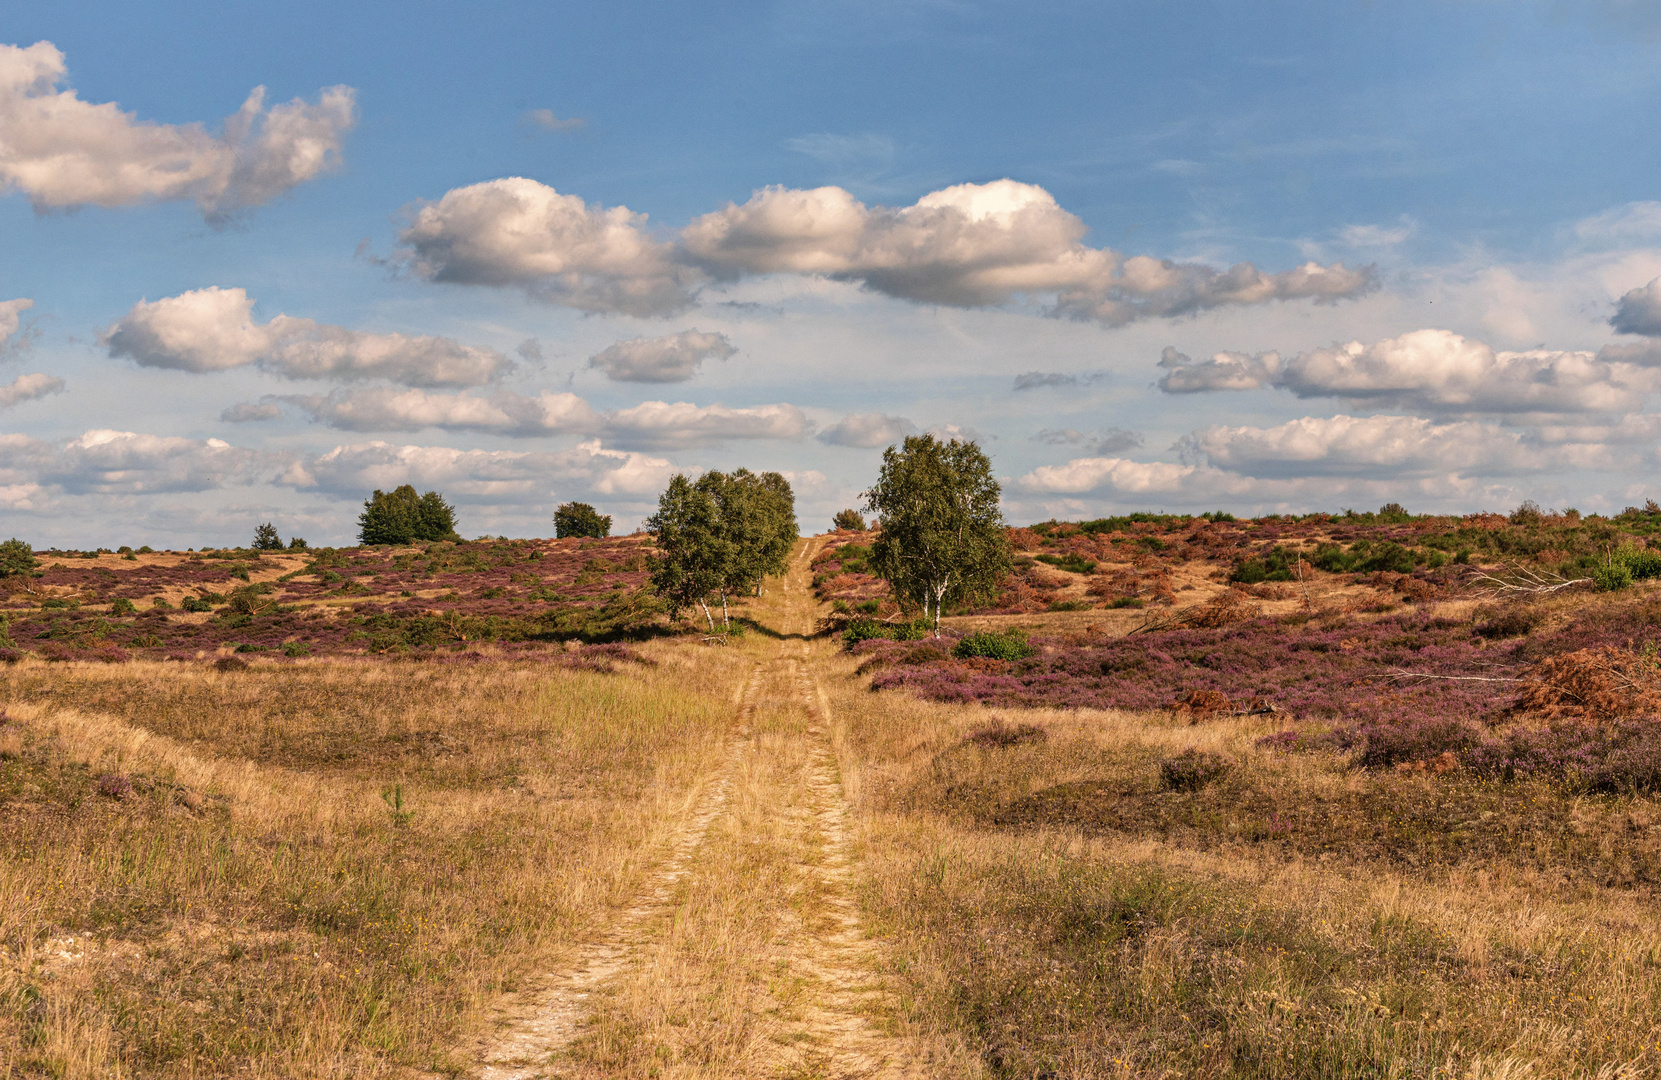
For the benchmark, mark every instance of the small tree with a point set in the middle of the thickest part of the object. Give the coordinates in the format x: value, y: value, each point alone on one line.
x: 848, y: 519
x: 17, y: 558
x: 401, y: 517
x: 580, y: 519
x: 943, y: 539
x: 266, y: 538
x: 757, y: 520
x: 693, y: 555
x: 296, y: 543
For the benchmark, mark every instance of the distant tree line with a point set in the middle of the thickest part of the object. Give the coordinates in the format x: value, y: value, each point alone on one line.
x: 718, y: 536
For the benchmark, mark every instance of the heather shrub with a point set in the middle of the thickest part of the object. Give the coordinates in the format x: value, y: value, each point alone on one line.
x: 1384, y: 745
x: 114, y: 785
x: 1193, y: 769
x: 1508, y: 622
x: 998, y: 646
x: 1624, y: 756
x: 998, y: 733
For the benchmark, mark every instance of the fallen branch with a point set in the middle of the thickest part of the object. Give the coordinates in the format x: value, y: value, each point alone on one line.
x: 1399, y: 674
x: 1533, y: 583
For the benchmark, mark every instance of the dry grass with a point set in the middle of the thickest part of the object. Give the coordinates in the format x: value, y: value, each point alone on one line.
x: 1200, y: 940
x: 323, y: 870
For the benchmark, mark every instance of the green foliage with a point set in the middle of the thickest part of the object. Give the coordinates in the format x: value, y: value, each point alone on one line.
x: 1641, y: 563
x: 848, y: 519
x: 1276, y: 564
x: 266, y: 538
x: 296, y: 543
x: 1364, y: 557
x: 1077, y: 564
x: 122, y: 606
x: 870, y: 629
x: 1612, y: 576
x: 853, y: 558
x: 720, y: 536
x: 580, y: 519
x: 403, y: 517
x: 694, y: 553
x: 1007, y: 645
x: 195, y: 603
x: 16, y: 558
x: 943, y: 539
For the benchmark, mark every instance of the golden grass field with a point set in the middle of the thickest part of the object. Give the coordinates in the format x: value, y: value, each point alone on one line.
x: 752, y: 866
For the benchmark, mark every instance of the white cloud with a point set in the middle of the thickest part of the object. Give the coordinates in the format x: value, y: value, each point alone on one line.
x: 1434, y: 370
x: 213, y: 329
x: 388, y: 409
x: 516, y: 231
x: 868, y: 430
x: 970, y: 245
x: 482, y: 476
x: 1114, y: 474
x: 63, y: 152
x: 11, y: 317
x: 107, y: 462
x: 675, y: 358
x: 28, y: 387
x: 1378, y: 236
x: 976, y: 245
x: 1373, y: 446
x: 653, y: 424
x: 1639, y: 311
x: 1224, y: 371
x: 1634, y: 221
x: 546, y: 120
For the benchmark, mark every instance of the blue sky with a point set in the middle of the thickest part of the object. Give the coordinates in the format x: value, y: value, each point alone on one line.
x: 1443, y: 205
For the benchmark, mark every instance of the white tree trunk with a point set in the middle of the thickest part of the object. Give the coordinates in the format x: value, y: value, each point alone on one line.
x: 726, y: 620
x: 707, y: 617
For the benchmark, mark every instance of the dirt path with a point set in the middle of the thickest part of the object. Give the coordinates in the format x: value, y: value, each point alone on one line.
x: 746, y: 957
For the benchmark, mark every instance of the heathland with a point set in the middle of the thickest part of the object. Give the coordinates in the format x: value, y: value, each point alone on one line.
x: 1364, y: 795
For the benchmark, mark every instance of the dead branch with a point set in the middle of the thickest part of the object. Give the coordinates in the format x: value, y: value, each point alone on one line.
x: 1400, y: 674
x: 1531, y: 583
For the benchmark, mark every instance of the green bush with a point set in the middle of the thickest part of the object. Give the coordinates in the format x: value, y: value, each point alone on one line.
x: 1273, y: 565
x: 16, y: 557
x: 122, y: 606
x: 195, y: 603
x: 991, y: 643
x: 869, y: 629
x: 1641, y: 563
x: 1076, y: 564
x: 1127, y: 602
x: 1612, y: 576
x: 296, y: 648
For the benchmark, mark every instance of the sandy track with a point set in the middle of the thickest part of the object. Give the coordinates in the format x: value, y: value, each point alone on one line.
x: 533, y: 1025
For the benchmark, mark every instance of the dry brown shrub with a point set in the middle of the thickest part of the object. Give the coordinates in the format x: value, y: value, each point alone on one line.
x: 989, y: 665
x: 1601, y: 683
x: 999, y: 733
x: 1226, y: 609
x: 1200, y: 704
x: 1270, y: 590
x: 230, y: 663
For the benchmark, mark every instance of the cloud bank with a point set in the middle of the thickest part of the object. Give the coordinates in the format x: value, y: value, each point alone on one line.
x: 28, y: 387
x: 969, y: 245
x: 213, y: 329
x: 63, y: 152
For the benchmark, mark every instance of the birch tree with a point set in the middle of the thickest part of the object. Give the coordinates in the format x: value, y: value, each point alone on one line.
x: 942, y: 538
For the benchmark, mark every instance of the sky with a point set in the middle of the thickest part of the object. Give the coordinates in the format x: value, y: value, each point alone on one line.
x: 258, y: 260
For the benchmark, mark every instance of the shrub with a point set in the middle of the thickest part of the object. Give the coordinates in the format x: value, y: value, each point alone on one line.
x: 1072, y: 563
x: 122, y: 606
x: 997, y: 646
x: 870, y: 629
x: 230, y: 663
x: 114, y: 785
x: 1193, y: 769
x: 1612, y: 577
x: 266, y: 538
x: 848, y: 519
x: 296, y: 543
x: 1511, y: 622
x: 16, y: 558
x: 296, y: 648
x: 1127, y: 602
x: 146, y: 550
x: 195, y: 603
x: 1273, y: 565
x: 998, y: 733
x: 160, y: 603
x: 1384, y: 745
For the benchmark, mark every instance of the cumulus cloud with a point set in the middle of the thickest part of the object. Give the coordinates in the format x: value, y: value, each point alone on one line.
x: 1098, y: 443
x: 1434, y: 370
x: 1639, y: 311
x: 516, y: 231
x: 1224, y: 371
x: 244, y: 412
x: 675, y: 358
x: 1378, y: 446
x: 1105, y: 474
x: 389, y: 409
x: 868, y: 430
x: 213, y: 329
x: 481, y: 476
x: 969, y: 245
x: 654, y: 424
x: 28, y: 387
x: 104, y: 462
x: 63, y: 152
x: 546, y: 120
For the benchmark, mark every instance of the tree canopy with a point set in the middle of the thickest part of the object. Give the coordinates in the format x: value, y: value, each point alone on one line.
x: 943, y: 539
x: 402, y: 517
x: 266, y: 538
x: 580, y: 519
x: 848, y: 519
x: 17, y: 557
x: 719, y: 536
